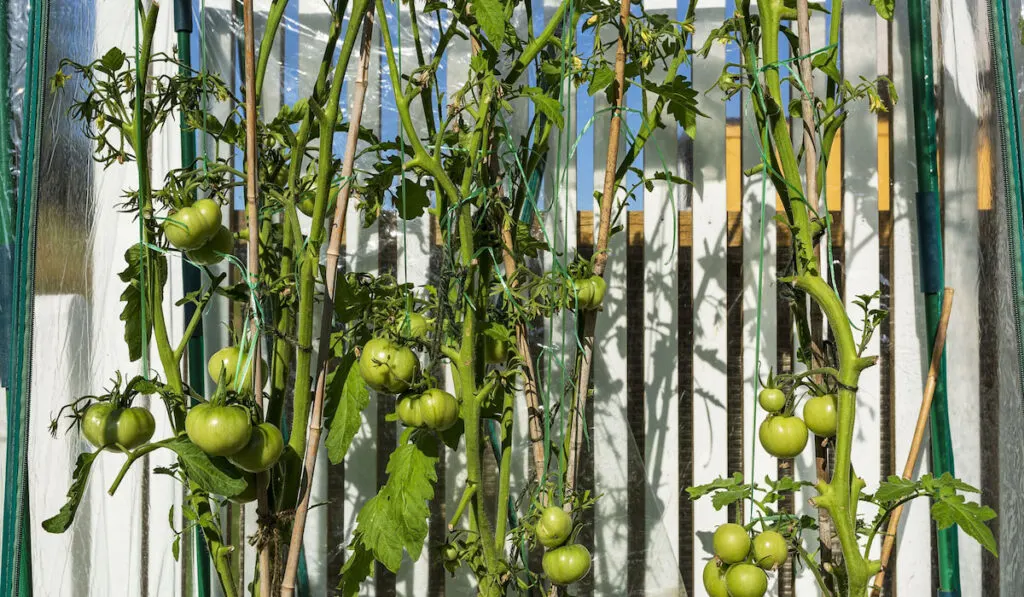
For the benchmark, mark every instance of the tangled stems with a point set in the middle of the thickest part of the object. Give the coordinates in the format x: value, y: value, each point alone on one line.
x: 839, y: 496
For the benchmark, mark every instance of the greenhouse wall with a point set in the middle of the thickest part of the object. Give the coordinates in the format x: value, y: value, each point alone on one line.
x: 693, y: 315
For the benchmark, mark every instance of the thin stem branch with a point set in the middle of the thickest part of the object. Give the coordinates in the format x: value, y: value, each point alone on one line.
x: 327, y: 313
x: 197, y: 317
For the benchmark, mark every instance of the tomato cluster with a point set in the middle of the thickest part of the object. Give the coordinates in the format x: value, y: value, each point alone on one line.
x: 738, y: 569
x: 197, y: 230
x: 388, y: 367
x: 784, y: 435
x: 563, y: 564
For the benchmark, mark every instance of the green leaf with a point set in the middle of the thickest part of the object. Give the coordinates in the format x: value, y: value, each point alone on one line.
x: 358, y: 567
x: 214, y: 475
x: 347, y: 396
x: 700, y: 491
x: 411, y: 200
x: 729, y: 496
x: 64, y: 518
x: 350, y: 298
x: 969, y: 516
x: 396, y: 518
x: 885, y: 8
x: 546, y: 105
x: 601, y: 79
x: 895, y: 488
x: 132, y: 297
x: 113, y: 59
x: 490, y: 14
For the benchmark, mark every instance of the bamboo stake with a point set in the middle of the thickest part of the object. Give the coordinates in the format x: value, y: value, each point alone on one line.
x: 600, y: 257
x: 529, y: 373
x: 922, y: 423
x: 251, y: 116
x: 333, y: 254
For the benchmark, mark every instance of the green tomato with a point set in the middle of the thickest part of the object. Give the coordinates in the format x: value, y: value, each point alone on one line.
x: 185, y: 229
x: 248, y: 494
x: 263, y: 450
x: 821, y: 415
x: 495, y: 351
x: 404, y: 368
x: 783, y: 436
x: 409, y: 411
x: 226, y: 361
x: 209, y: 212
x: 554, y: 527
x: 732, y: 543
x: 600, y: 287
x: 746, y: 580
x: 440, y: 410
x: 567, y: 564
x: 373, y: 363
x: 413, y: 326
x: 306, y: 205
x: 770, y: 550
x: 772, y: 399
x: 213, y: 251
x: 714, y: 580
x: 105, y: 425
x: 218, y: 430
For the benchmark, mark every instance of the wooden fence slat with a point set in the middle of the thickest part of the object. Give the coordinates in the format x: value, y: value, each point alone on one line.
x: 611, y: 441
x: 912, y: 577
x: 660, y: 351
x: 861, y: 235
x: 962, y: 105
x: 710, y: 427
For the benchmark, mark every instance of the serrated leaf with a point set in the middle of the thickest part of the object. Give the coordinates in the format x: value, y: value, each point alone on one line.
x: 969, y: 516
x: 396, y: 519
x: 895, y: 488
x: 546, y: 105
x: 699, y: 491
x: 411, y: 200
x: 213, y: 474
x: 113, y: 59
x: 490, y: 14
x: 358, y: 567
x: 63, y: 519
x: 347, y: 396
x: 725, y: 497
x: 885, y: 8
x: 132, y: 297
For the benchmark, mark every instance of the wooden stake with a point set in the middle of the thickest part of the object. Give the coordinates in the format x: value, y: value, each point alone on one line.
x: 326, y: 319
x: 252, y: 212
x: 915, y: 445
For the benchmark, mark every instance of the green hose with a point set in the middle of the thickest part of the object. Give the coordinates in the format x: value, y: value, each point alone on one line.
x: 929, y: 227
x: 191, y: 279
x: 15, y: 570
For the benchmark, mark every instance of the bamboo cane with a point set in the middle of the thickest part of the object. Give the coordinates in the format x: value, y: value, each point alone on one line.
x: 600, y: 257
x: 252, y: 212
x: 922, y: 423
x: 333, y: 254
